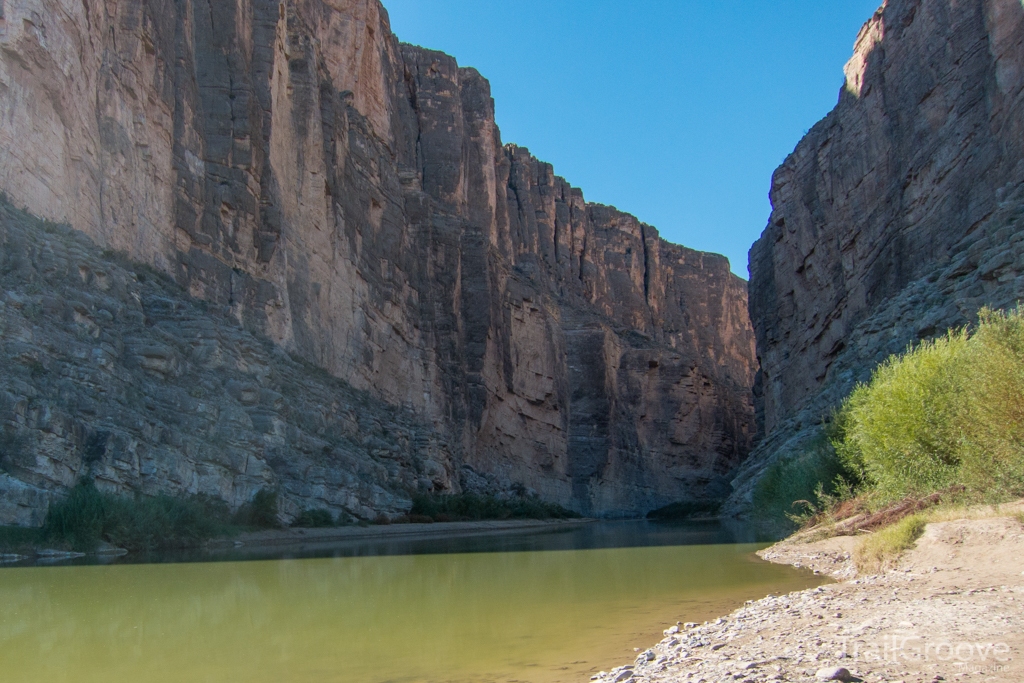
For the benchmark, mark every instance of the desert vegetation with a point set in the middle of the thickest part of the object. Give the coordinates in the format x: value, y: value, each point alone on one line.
x: 88, y: 516
x: 685, y: 510
x: 474, y: 507
x: 316, y: 519
x: 941, y: 424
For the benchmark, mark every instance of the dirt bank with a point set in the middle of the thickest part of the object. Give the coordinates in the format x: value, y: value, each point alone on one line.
x: 952, y: 609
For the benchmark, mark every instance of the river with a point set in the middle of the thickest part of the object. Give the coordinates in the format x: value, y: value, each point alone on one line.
x: 528, y: 607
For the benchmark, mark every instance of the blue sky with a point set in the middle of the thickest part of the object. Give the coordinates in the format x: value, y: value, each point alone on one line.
x: 676, y: 111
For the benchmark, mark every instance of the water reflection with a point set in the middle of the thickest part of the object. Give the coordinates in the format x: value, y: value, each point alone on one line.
x: 471, y: 609
x: 589, y: 536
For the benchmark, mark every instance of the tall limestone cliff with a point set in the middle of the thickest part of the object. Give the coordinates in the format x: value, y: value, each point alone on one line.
x: 898, y: 216
x: 348, y: 197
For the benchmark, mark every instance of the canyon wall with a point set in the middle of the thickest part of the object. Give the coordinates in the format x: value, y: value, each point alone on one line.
x: 348, y: 198
x: 898, y: 216
x: 108, y: 369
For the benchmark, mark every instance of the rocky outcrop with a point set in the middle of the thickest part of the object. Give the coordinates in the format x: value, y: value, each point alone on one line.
x: 108, y: 368
x: 348, y: 197
x: 900, y: 214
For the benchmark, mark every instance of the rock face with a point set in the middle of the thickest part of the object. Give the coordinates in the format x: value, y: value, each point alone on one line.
x: 348, y: 198
x: 900, y: 215
x: 110, y: 369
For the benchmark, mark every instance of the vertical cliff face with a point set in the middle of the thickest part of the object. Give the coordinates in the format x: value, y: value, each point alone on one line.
x: 899, y: 215
x: 349, y: 197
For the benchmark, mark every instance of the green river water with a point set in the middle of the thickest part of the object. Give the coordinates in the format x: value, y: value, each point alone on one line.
x: 530, y: 607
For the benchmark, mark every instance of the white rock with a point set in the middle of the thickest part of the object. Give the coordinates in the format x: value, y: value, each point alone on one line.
x: 105, y: 548
x: 51, y: 554
x: 836, y: 673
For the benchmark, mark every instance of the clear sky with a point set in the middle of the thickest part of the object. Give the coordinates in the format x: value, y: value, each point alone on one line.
x: 676, y: 111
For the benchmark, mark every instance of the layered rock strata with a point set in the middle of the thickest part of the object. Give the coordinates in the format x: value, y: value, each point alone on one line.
x: 898, y: 216
x: 349, y: 198
x: 108, y: 369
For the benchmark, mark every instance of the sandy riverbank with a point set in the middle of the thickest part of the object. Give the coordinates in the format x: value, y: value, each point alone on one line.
x: 952, y: 609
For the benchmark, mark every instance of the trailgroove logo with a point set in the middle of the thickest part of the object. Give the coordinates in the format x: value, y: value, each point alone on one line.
x: 966, y: 655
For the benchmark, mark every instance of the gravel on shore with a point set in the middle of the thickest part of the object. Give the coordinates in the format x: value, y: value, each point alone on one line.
x: 951, y: 610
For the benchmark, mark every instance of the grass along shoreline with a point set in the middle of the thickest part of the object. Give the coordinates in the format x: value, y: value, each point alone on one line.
x: 90, y: 521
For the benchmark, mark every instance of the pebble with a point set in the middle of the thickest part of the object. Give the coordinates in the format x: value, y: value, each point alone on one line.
x: 783, y: 638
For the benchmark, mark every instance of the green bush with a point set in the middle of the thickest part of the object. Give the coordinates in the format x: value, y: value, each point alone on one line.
x: 685, y: 510
x: 472, y: 507
x: 312, y: 519
x: 948, y: 414
x: 799, y: 485
x: 16, y: 539
x: 87, y: 517
x: 260, y: 512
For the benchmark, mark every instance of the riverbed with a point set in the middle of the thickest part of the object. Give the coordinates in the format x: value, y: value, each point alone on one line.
x: 538, y: 607
x: 949, y: 609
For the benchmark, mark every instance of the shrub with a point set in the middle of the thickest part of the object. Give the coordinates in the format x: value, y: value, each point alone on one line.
x: 945, y: 418
x: 948, y: 414
x: 899, y: 431
x: 420, y: 519
x: 799, y: 486
x: 314, y: 519
x: 78, y: 519
x: 685, y: 510
x: 87, y: 517
x: 992, y: 424
x: 16, y: 538
x: 260, y: 512
x: 472, y: 507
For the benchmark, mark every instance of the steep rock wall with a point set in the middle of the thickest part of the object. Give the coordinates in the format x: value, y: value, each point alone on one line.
x: 108, y: 369
x: 349, y: 198
x: 898, y: 216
